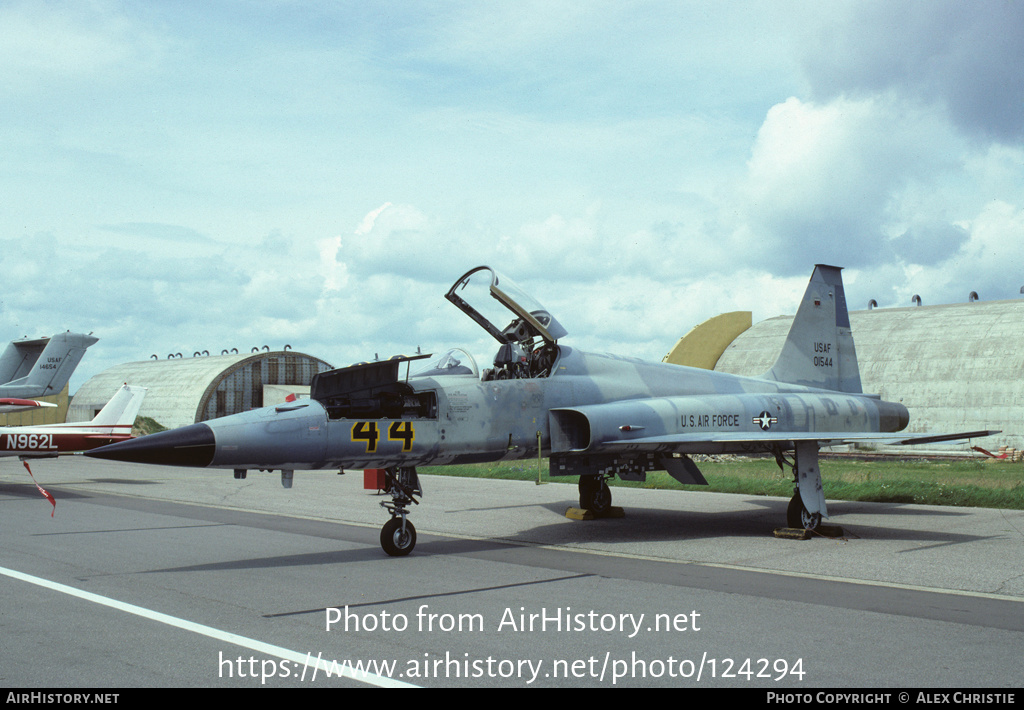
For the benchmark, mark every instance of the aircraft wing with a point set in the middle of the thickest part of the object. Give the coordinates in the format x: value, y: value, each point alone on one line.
x: 9, y: 405
x: 750, y: 440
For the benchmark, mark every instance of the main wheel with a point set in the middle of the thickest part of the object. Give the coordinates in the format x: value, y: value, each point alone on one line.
x: 798, y: 517
x: 395, y: 541
x: 595, y: 495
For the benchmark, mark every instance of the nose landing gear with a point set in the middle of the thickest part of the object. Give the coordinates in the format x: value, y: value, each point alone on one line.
x: 398, y: 536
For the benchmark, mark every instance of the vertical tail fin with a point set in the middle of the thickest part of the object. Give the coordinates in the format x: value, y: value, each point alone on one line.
x: 18, y: 357
x: 42, y: 370
x: 122, y: 408
x: 819, y: 350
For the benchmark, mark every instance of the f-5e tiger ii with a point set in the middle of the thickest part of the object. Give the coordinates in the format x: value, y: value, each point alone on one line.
x: 594, y: 416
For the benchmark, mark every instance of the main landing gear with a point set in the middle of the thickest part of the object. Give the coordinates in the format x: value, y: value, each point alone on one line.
x: 807, y: 507
x: 798, y: 517
x: 595, y: 495
x: 398, y: 536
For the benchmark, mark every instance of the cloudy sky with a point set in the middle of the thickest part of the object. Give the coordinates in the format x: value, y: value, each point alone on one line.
x: 187, y: 176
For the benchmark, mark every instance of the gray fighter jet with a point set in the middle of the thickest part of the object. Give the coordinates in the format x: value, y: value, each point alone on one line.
x: 595, y: 416
x: 36, y: 367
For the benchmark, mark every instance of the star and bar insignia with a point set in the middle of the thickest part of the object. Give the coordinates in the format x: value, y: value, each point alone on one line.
x: 765, y: 421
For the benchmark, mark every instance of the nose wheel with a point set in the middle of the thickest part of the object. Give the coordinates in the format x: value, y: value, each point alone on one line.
x: 398, y: 536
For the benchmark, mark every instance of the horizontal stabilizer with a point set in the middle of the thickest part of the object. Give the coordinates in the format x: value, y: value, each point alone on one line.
x: 918, y: 439
x: 9, y: 405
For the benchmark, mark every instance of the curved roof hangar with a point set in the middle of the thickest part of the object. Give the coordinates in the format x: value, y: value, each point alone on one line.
x: 187, y: 390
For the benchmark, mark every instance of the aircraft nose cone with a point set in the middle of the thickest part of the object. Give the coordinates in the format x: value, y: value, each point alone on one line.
x: 192, y: 445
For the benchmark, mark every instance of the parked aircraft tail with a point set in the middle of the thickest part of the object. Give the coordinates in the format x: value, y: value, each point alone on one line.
x: 121, y: 410
x: 41, y: 366
x: 819, y: 350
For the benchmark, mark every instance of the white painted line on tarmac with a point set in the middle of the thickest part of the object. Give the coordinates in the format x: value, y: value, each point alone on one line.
x: 868, y: 582
x: 759, y: 570
x: 259, y: 646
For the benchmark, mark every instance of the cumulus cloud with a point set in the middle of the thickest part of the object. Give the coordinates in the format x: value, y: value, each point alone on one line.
x: 827, y: 179
x: 989, y: 260
x: 963, y: 56
x: 929, y: 243
x: 321, y: 178
x: 400, y: 239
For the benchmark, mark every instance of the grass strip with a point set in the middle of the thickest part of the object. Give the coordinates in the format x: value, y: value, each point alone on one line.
x: 971, y: 482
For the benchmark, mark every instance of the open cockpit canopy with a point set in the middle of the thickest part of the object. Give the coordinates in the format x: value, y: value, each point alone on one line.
x: 528, y: 342
x: 488, y: 298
